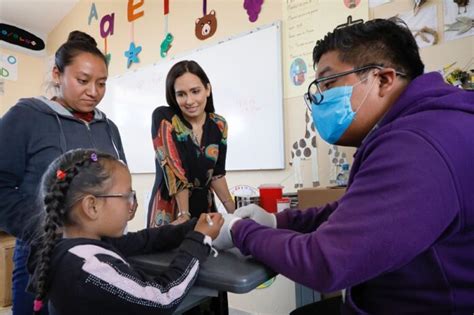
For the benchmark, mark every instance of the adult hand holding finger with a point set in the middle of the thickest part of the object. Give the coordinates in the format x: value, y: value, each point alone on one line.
x: 224, y: 239
x: 258, y: 214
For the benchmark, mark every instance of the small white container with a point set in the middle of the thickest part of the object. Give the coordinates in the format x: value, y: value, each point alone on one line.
x: 282, y: 204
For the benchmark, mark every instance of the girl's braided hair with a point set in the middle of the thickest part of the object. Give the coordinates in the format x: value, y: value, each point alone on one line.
x: 67, y: 180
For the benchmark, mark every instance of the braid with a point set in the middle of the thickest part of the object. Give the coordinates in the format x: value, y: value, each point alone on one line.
x: 57, y: 203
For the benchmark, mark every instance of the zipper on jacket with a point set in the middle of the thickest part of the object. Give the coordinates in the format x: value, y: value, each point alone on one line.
x: 89, y: 133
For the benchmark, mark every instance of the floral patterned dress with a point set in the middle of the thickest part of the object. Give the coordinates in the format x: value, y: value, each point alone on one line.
x: 183, y: 163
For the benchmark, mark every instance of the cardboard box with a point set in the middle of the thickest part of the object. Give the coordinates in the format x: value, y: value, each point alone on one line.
x: 319, y: 196
x: 7, y: 245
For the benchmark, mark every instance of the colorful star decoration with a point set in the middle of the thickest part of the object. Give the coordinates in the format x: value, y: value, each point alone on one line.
x: 132, y: 54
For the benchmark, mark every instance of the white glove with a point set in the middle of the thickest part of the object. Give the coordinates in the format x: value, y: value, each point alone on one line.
x: 224, y: 239
x: 257, y: 214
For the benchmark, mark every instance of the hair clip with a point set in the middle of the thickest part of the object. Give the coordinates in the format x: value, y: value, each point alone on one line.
x: 37, y: 305
x: 60, y: 174
x: 94, y: 157
x: 350, y: 22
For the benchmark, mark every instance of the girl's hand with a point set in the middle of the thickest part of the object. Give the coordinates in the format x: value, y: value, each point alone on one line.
x: 206, y: 228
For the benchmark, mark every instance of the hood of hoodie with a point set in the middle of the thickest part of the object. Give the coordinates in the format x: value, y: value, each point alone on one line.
x: 60, y: 113
x: 429, y: 92
x: 54, y: 108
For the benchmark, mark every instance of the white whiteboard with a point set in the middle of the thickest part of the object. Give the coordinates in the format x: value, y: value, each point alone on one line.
x: 246, y: 79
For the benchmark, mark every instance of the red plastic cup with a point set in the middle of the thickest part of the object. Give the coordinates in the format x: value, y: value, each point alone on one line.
x: 269, y: 193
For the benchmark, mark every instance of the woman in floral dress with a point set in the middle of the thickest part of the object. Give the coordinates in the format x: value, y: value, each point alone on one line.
x: 190, y: 142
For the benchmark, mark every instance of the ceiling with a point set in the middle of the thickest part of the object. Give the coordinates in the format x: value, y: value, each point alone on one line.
x: 39, y: 17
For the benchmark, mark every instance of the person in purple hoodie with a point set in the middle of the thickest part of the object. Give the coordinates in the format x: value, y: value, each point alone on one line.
x: 401, y: 239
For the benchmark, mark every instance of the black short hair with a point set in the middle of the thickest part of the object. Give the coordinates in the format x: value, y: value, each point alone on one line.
x: 380, y: 41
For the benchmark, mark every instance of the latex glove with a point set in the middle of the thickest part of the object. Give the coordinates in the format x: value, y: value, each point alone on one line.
x: 224, y: 239
x: 258, y: 214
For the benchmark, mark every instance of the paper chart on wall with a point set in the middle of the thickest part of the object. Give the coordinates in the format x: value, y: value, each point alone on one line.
x: 377, y: 3
x: 308, y: 21
x: 301, y: 35
x: 458, y: 18
x: 423, y: 25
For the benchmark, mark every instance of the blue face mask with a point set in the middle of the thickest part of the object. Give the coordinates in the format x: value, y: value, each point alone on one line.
x: 334, y: 115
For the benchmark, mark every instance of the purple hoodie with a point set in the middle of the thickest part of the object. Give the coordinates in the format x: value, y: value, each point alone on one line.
x: 402, y: 238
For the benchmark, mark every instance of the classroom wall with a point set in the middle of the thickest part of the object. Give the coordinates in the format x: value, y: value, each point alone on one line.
x: 438, y: 56
x: 31, y: 71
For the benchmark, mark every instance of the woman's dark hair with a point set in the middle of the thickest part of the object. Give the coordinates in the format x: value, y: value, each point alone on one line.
x: 384, y: 42
x: 78, y: 42
x: 67, y: 180
x: 178, y: 70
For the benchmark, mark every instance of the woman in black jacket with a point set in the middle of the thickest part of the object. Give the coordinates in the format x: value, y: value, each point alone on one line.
x: 37, y: 130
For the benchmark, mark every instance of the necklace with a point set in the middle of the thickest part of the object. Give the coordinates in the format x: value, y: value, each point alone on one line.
x: 197, y: 128
x: 197, y: 135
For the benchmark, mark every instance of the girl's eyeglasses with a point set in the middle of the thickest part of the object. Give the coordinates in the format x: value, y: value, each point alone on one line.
x: 131, y: 197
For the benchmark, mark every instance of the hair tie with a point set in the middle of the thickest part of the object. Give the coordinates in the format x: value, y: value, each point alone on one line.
x: 60, y: 174
x: 94, y: 157
x: 37, y: 305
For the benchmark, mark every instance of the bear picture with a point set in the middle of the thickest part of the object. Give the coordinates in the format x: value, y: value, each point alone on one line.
x: 206, y: 26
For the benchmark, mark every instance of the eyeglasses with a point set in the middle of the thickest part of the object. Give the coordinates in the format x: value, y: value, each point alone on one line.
x: 315, y: 89
x: 131, y: 197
